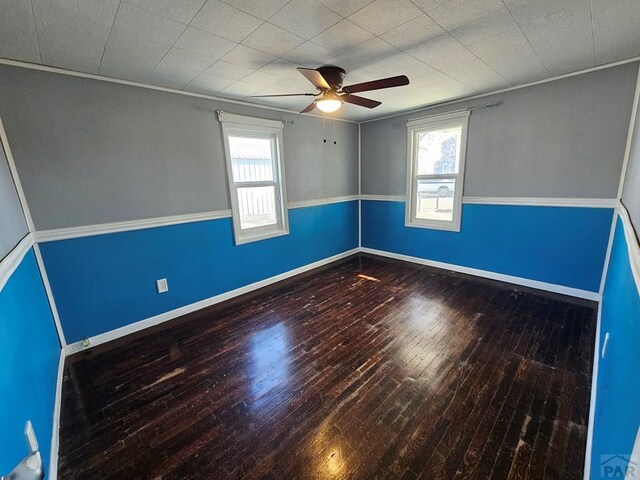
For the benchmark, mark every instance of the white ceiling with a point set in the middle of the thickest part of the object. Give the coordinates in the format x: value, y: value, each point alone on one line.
x: 238, y: 48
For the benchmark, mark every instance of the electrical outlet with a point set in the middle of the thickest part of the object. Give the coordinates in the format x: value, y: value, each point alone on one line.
x: 162, y: 285
x: 31, y: 437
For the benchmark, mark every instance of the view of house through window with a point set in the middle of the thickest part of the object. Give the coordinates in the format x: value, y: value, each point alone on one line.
x: 435, y: 182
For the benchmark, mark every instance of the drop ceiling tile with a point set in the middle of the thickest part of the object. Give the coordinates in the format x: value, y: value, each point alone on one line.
x: 248, y: 57
x: 147, y: 25
x: 616, y: 28
x: 428, y: 5
x: 383, y: 15
x: 559, y: 31
x: 345, y: 7
x: 225, y: 21
x: 179, y: 10
x: 369, y: 52
x: 403, y: 64
x: 309, y: 55
x: 485, y: 27
x: 17, y: 32
x: 261, y: 79
x: 128, y: 52
x: 273, y: 40
x: 134, y: 74
x: 476, y: 74
x: 260, y: 9
x: 342, y: 36
x: 170, y: 78
x: 455, y: 13
x: 363, y: 74
x: 441, y: 52
x: 510, y: 55
x: 240, y: 89
x: 72, y: 34
x: 305, y: 18
x: 204, y: 43
x: 177, y: 59
x: 208, y: 84
x: 283, y: 69
x: 228, y: 70
x: 414, y: 32
x: 289, y: 85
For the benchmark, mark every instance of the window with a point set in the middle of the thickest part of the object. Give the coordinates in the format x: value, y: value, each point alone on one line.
x: 253, y: 148
x: 435, y: 173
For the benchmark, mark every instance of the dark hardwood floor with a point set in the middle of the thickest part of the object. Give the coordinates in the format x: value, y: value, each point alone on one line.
x: 370, y: 368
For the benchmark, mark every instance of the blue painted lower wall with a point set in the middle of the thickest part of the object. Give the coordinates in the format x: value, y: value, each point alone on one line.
x: 104, y: 282
x: 559, y: 245
x: 28, y: 364
x: 618, y: 389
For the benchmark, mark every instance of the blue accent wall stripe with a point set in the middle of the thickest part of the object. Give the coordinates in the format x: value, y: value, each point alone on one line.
x: 618, y: 390
x: 559, y: 245
x: 105, y: 282
x: 28, y: 366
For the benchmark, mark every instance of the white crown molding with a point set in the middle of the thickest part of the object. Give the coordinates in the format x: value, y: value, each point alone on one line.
x: 72, y: 73
x: 322, y: 201
x: 550, y: 287
x: 543, y: 201
x: 178, y: 312
x: 10, y: 263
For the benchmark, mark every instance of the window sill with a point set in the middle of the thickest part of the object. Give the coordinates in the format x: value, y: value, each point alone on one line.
x: 244, y: 238
x: 447, y: 227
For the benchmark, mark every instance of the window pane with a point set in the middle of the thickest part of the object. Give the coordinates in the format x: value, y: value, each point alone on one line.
x: 257, y: 206
x: 251, y: 159
x: 439, y: 151
x: 435, y: 199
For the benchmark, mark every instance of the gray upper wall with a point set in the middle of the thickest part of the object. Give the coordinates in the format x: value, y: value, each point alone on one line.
x: 559, y: 139
x: 90, y: 152
x: 631, y: 192
x: 13, y: 226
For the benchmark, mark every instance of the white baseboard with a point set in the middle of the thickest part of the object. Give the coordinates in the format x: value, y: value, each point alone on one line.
x: 592, y: 401
x: 52, y: 473
x: 550, y: 287
x: 178, y: 312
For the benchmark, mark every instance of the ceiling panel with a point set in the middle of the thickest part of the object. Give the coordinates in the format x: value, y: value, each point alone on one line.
x: 558, y: 30
x: 237, y: 48
x: 225, y: 21
x: 383, y: 15
x: 181, y: 11
x: 273, y: 40
x: 416, y: 31
x: 73, y: 34
x: 305, y: 18
x: 616, y: 29
x: 204, y: 43
x: 17, y: 32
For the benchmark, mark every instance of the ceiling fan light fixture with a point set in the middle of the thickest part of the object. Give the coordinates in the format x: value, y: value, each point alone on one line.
x: 329, y: 105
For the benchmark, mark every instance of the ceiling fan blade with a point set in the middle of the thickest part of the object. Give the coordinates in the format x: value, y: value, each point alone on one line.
x: 310, y: 107
x: 315, y: 77
x: 287, y: 95
x: 363, y: 102
x: 390, y: 82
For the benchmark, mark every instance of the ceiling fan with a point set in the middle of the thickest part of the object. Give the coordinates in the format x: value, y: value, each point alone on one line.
x: 328, y: 80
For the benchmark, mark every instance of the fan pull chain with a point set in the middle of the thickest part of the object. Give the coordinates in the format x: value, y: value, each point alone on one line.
x: 324, y: 130
x: 334, y: 132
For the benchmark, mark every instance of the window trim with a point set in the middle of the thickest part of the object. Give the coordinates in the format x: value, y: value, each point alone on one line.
x: 435, y: 122
x: 239, y: 124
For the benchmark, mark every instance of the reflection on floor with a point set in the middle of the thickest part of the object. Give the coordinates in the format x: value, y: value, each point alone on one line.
x: 370, y: 368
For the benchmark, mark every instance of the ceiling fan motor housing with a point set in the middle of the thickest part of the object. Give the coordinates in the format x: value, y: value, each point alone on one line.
x: 333, y: 75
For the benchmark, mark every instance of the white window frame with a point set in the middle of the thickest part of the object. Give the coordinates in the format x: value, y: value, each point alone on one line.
x: 414, y: 128
x: 257, y: 127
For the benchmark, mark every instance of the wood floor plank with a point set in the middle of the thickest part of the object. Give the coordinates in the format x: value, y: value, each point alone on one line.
x: 368, y: 368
